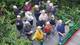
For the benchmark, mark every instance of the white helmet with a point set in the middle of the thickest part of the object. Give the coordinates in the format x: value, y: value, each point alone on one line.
x: 14, y: 6
x: 26, y: 3
x: 39, y: 27
x: 47, y: 22
x: 43, y: 11
x: 36, y: 6
x: 48, y: 1
x: 51, y: 4
x: 18, y: 16
x: 60, y: 21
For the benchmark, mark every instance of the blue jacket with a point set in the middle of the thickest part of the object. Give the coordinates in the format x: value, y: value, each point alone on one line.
x: 61, y: 28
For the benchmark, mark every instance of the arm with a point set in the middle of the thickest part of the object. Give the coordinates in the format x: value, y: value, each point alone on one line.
x: 63, y: 34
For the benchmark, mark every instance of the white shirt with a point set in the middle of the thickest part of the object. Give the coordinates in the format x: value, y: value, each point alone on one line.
x: 43, y: 17
x: 29, y: 16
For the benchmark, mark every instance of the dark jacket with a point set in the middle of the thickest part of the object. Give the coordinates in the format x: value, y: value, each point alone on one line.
x: 16, y: 11
x: 37, y: 14
x: 36, y: 1
x: 19, y: 24
x: 40, y: 23
x: 52, y: 22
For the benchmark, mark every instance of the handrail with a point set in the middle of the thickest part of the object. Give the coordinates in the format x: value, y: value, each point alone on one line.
x: 73, y: 29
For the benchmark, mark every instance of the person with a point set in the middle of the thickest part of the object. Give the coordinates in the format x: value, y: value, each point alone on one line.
x: 16, y: 10
x: 51, y: 9
x: 52, y: 20
x: 27, y: 30
x: 36, y: 12
x: 27, y: 6
x: 29, y: 17
x: 43, y: 16
x: 47, y: 29
x: 42, y: 5
x: 47, y: 3
x: 38, y: 35
x: 61, y: 31
x: 19, y: 24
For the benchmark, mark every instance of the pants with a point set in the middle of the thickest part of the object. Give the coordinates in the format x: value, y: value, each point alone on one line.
x: 41, y: 42
x: 60, y: 39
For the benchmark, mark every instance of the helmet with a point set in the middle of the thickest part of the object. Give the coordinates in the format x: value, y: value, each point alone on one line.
x: 14, y: 6
x: 26, y: 3
x: 47, y: 22
x: 36, y: 6
x: 18, y: 16
x: 48, y: 1
x: 43, y: 11
x: 51, y: 4
x: 60, y: 21
x: 39, y: 27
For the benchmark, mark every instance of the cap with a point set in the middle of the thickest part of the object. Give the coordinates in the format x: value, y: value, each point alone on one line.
x: 51, y: 4
x: 14, y: 6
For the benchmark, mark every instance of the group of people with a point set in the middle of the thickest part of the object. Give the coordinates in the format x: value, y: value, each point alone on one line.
x: 45, y: 21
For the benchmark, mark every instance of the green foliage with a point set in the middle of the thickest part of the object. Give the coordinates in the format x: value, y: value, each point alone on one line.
x: 69, y: 13
x: 8, y: 31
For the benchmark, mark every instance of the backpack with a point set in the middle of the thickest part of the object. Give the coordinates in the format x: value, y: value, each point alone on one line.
x: 38, y: 35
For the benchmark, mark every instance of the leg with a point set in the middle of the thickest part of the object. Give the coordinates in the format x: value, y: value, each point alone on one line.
x: 60, y: 39
x: 41, y: 42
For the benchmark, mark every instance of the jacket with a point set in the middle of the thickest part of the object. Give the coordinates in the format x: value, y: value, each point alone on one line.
x: 38, y: 35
